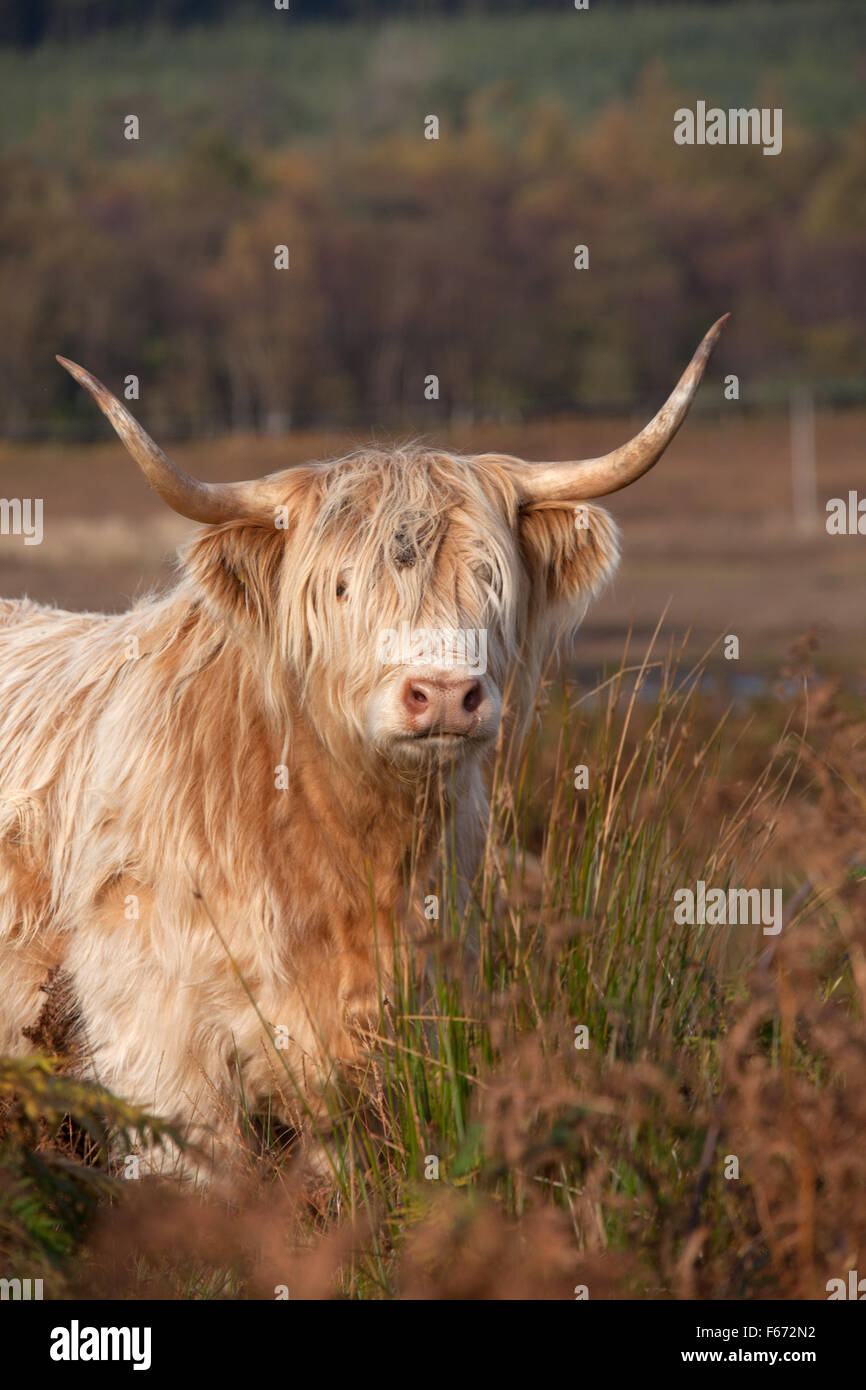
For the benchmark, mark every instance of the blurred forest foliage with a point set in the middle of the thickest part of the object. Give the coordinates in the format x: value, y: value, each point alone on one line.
x: 31, y: 21
x: 411, y: 256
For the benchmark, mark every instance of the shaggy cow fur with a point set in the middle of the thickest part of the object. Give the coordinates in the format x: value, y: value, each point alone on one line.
x: 150, y: 845
x: 217, y: 817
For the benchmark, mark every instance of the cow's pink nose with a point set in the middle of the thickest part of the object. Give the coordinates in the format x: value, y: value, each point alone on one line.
x: 439, y: 705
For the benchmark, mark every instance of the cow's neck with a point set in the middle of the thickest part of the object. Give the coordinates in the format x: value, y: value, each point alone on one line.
x: 387, y: 824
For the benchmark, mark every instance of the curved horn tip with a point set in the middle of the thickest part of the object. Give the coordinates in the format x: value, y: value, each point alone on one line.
x: 114, y: 411
x: 66, y: 362
x: 711, y: 336
x: 83, y: 376
x: 694, y: 371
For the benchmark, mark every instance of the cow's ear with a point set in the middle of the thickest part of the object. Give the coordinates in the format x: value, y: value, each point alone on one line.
x: 237, y: 569
x: 570, y: 550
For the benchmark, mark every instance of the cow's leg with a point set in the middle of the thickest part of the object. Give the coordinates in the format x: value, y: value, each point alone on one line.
x: 23, y: 973
x: 30, y: 949
x: 322, y: 1032
x: 155, y: 1031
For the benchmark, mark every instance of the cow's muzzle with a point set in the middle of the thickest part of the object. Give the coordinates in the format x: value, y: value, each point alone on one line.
x: 441, y: 707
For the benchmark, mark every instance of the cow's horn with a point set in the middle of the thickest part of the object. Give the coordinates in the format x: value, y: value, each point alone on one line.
x: 213, y: 502
x: 584, y: 478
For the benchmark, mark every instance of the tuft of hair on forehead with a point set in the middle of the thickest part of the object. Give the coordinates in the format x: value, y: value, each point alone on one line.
x: 395, y: 507
x: 408, y: 479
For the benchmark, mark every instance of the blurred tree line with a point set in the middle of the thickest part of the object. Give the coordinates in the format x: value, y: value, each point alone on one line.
x: 411, y: 257
x: 26, y: 22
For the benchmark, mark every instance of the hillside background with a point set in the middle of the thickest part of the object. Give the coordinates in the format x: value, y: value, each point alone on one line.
x: 411, y: 256
x: 259, y: 127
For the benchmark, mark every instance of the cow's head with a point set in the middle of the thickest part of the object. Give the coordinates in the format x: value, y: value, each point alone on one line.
x: 400, y: 594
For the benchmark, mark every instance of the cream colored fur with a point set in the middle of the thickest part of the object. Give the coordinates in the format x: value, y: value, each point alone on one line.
x: 145, y: 846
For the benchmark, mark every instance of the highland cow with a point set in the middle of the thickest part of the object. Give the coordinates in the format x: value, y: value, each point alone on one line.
x: 218, y: 810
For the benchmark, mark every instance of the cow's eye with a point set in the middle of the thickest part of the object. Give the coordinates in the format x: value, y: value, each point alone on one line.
x: 341, y: 590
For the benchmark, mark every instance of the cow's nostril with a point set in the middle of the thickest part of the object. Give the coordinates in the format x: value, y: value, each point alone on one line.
x: 419, y: 696
x: 472, y: 698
